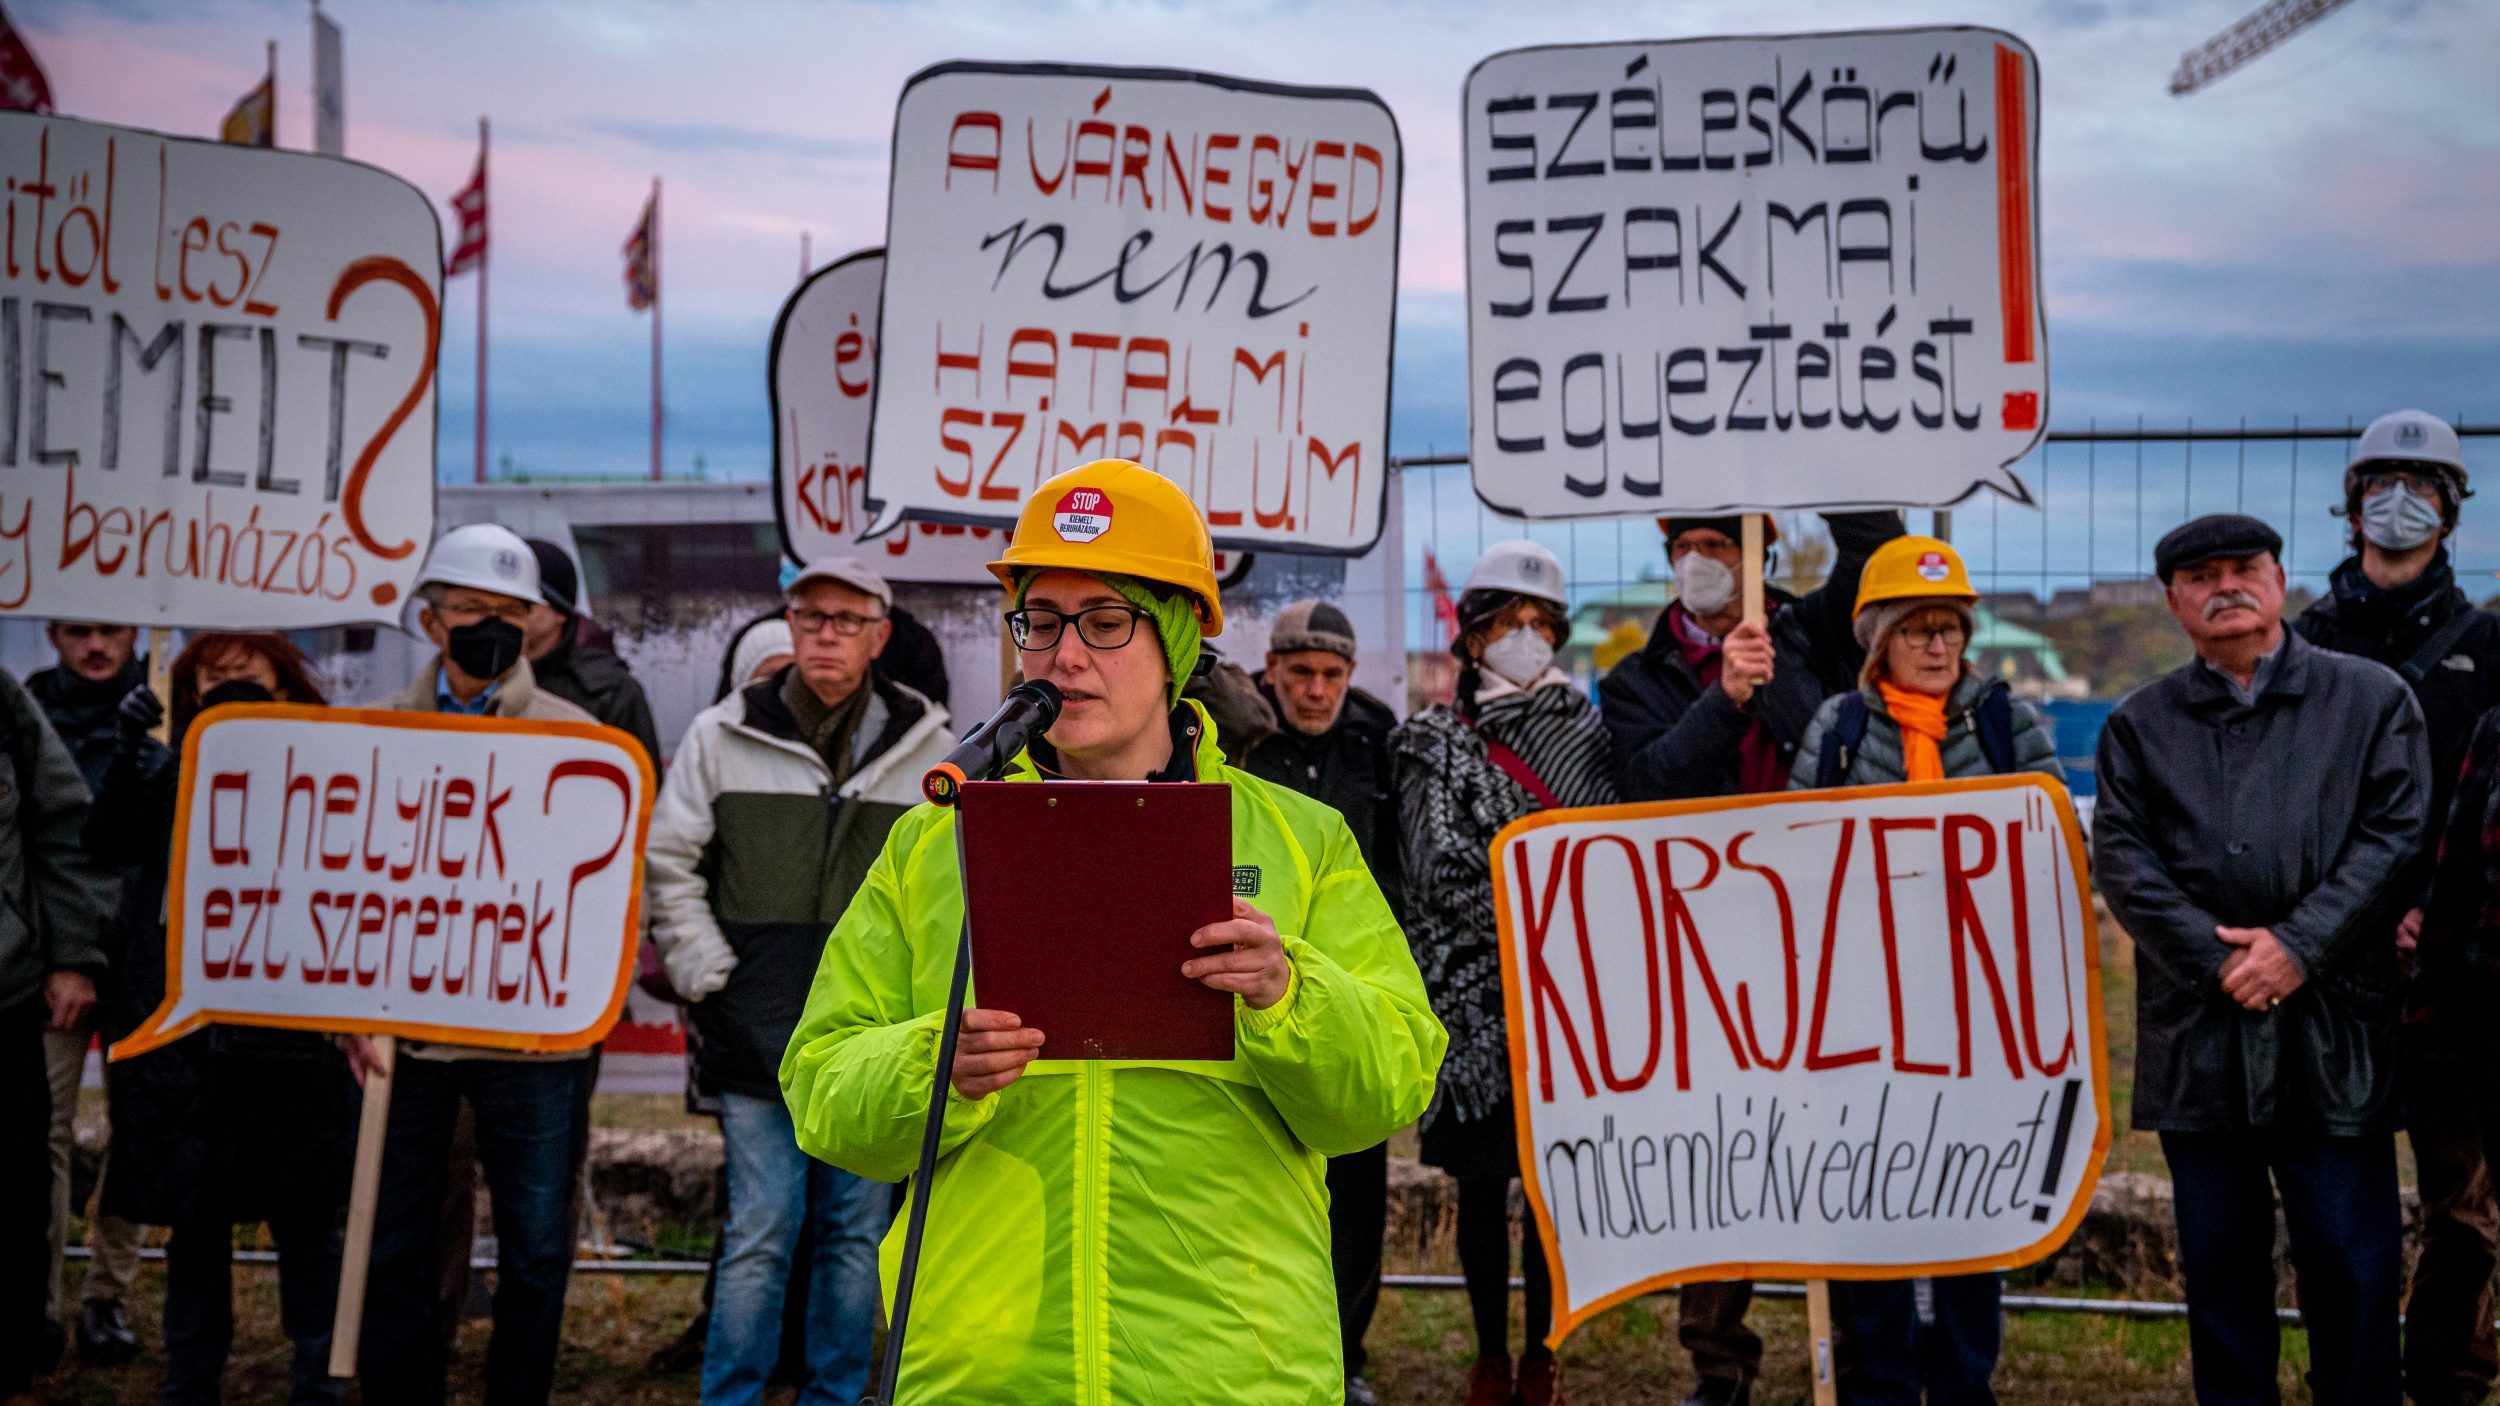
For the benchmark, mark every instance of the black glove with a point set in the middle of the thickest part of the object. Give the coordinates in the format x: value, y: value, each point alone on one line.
x: 139, y: 713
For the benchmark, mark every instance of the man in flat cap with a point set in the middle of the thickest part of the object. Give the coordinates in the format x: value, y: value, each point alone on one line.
x: 2259, y: 811
x: 1332, y: 743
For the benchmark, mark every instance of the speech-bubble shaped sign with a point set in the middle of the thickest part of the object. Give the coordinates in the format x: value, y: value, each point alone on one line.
x: 1792, y: 272
x: 1848, y: 1034
x: 1193, y: 272
x: 824, y: 368
x: 216, y: 381
x: 466, y: 880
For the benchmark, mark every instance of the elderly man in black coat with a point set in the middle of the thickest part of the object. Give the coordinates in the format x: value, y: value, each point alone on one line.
x: 2259, y: 813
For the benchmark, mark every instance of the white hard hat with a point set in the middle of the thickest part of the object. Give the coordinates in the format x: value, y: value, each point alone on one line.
x: 2416, y: 436
x: 1521, y: 567
x: 486, y: 557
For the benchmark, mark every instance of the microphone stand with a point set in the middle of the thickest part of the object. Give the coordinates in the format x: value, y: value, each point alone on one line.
x: 881, y: 1392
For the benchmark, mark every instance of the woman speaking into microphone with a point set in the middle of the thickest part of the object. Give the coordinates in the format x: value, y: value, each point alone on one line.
x: 1121, y: 1233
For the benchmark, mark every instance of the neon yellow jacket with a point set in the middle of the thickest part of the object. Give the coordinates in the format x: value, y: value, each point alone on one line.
x: 1108, y: 1232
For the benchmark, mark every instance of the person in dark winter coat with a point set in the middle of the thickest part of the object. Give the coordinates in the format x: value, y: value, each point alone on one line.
x: 1332, y: 743
x: 99, y: 666
x: 50, y: 960
x: 1712, y: 706
x: 2395, y: 600
x: 2259, y: 815
x: 578, y: 662
x: 1687, y: 727
x: 1518, y: 737
x: 230, y: 1125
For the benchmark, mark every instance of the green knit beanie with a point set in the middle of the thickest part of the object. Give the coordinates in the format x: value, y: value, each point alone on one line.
x: 1175, y: 618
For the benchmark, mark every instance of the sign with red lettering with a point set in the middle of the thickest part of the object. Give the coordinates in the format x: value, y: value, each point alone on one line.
x: 216, y: 381
x: 823, y: 382
x: 1799, y: 271
x: 1822, y: 1034
x: 1193, y: 272
x: 467, y: 880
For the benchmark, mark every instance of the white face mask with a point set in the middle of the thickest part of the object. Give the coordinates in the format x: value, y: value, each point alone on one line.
x: 1704, y: 583
x: 2399, y: 520
x: 1522, y: 656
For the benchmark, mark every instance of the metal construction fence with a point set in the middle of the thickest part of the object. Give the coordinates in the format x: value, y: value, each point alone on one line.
x: 2103, y: 496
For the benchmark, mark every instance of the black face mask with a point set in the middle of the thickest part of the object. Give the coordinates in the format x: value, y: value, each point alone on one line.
x: 235, y: 691
x: 485, y: 649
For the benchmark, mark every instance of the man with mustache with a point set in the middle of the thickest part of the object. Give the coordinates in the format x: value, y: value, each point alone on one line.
x: 2259, y: 816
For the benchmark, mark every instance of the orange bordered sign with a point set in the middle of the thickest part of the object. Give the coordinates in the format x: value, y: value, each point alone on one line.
x: 471, y: 881
x: 1851, y: 1034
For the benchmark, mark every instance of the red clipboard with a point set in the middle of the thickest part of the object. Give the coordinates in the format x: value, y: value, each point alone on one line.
x: 1081, y: 897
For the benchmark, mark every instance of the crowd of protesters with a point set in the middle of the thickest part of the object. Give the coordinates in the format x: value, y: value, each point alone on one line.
x: 2299, y: 830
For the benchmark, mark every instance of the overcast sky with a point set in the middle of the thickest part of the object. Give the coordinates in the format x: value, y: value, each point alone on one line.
x: 2313, y: 236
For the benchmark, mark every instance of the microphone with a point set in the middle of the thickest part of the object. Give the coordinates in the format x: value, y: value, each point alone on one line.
x: 1029, y: 710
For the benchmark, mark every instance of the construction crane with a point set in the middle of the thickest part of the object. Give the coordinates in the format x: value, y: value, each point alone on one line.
x: 2264, y: 28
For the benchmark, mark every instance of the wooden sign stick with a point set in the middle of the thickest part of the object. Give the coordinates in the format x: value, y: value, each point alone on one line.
x: 1752, y: 573
x: 161, y: 677
x: 363, y: 1190
x: 1819, y: 1342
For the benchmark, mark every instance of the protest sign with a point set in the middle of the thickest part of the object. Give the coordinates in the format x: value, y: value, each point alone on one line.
x: 824, y: 370
x: 469, y: 880
x: 216, y: 381
x: 1197, y: 273
x: 1760, y: 273
x: 1825, y: 1034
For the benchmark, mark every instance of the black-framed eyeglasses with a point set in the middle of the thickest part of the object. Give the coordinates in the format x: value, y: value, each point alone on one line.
x: 1036, y: 629
x: 804, y: 621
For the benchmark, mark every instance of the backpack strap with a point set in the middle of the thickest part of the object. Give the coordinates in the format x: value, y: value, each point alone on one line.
x: 1840, y: 741
x: 1993, y: 720
x: 1515, y: 767
x: 2437, y: 646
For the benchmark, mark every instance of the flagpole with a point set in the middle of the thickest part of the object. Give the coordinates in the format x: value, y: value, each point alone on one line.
x: 483, y: 251
x: 655, y: 329
x: 273, y: 93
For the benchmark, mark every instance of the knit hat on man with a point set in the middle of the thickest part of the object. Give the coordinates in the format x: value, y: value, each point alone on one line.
x: 1312, y: 625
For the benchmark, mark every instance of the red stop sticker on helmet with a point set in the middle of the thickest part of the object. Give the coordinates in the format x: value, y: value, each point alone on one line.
x: 1083, y: 514
x: 1932, y: 567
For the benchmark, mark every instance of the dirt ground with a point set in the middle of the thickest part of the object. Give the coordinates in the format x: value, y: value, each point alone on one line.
x: 1421, y: 1345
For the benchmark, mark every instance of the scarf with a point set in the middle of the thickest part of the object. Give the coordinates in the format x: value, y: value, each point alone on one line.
x: 1921, y: 719
x: 829, y: 730
x: 1452, y: 799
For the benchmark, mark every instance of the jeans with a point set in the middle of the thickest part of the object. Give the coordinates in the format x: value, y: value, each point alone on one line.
x: 199, y: 1309
x: 532, y: 1121
x: 25, y: 1192
x: 777, y: 1194
x: 1888, y: 1357
x: 1358, y: 1218
x: 2347, y: 1233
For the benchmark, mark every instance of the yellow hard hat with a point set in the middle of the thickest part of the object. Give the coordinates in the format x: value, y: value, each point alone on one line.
x: 1116, y: 516
x: 1913, y: 568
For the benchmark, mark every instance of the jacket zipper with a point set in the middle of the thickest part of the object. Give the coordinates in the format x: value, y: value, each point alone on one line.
x: 1092, y: 1204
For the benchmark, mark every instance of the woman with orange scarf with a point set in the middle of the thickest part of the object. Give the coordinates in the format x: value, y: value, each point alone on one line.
x: 1921, y: 713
